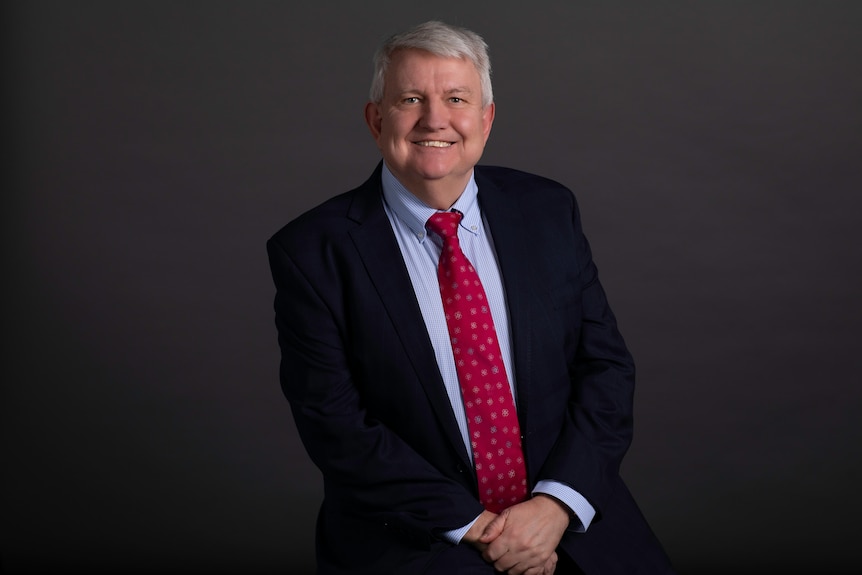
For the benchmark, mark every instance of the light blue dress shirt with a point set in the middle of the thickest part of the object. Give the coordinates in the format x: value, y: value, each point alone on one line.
x: 407, y: 215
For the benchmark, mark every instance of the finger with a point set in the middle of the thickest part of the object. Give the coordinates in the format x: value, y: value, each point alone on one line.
x: 524, y: 562
x: 550, y: 564
x: 514, y: 563
x: 518, y: 569
x: 494, y: 528
x: 494, y: 553
x: 503, y: 559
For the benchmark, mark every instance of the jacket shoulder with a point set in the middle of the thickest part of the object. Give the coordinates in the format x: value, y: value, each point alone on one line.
x: 334, y: 216
x: 520, y: 183
x: 313, y: 220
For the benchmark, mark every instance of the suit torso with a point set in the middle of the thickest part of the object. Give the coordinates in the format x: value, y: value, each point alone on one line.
x: 368, y: 400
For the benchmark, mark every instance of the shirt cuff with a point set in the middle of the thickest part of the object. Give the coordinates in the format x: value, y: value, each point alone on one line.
x: 584, y: 513
x: 454, y: 537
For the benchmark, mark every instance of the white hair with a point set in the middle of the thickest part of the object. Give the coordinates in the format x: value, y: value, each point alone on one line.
x: 441, y: 40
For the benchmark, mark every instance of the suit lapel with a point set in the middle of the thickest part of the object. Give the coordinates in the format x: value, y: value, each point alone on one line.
x: 510, y: 243
x: 375, y: 241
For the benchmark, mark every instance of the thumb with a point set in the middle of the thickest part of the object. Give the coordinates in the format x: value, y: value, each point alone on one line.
x: 494, y: 528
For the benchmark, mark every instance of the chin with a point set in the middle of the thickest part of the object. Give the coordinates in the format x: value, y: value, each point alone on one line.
x: 435, y: 172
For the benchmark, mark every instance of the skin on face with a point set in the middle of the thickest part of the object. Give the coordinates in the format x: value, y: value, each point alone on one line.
x: 431, y: 126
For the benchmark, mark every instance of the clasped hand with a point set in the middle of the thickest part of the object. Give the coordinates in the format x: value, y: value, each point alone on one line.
x: 522, y: 540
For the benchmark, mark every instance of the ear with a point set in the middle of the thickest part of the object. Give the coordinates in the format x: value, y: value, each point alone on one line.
x: 374, y: 119
x: 488, y: 119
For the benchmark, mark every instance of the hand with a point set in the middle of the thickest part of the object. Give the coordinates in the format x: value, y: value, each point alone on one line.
x: 478, y: 535
x: 522, y: 540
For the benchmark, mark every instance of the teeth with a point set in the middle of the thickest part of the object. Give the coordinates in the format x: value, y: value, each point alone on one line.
x: 434, y: 144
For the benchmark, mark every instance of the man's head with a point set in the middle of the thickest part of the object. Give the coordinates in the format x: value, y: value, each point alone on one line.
x: 431, y: 108
x: 441, y: 40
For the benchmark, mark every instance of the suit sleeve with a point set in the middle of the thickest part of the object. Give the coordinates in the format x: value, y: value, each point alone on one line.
x: 597, y: 430
x: 370, y: 472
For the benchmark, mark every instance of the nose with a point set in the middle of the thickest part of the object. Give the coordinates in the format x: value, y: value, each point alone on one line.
x: 435, y: 115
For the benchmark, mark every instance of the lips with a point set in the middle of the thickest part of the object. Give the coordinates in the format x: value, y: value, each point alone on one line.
x: 434, y: 144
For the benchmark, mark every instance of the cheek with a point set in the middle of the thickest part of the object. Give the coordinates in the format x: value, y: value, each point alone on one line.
x: 390, y: 138
x: 398, y: 139
x: 471, y: 128
x: 399, y: 125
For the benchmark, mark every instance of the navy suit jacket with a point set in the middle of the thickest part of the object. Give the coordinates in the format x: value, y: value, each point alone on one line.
x: 360, y: 374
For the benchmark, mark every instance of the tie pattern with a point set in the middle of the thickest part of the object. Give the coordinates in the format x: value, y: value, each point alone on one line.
x: 492, y: 420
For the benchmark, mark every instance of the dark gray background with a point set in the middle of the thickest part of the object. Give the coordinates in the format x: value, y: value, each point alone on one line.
x: 153, y: 147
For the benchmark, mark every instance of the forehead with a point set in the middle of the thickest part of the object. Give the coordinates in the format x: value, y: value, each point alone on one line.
x: 417, y: 69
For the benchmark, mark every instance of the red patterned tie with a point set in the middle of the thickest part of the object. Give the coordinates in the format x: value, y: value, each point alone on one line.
x: 491, y: 416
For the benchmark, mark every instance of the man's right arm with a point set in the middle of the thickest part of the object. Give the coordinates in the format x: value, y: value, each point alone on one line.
x: 369, y: 468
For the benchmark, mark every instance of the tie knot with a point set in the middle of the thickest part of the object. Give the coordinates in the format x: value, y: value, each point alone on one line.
x: 445, y: 224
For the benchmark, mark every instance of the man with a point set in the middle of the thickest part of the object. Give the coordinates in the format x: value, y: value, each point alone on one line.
x: 472, y: 439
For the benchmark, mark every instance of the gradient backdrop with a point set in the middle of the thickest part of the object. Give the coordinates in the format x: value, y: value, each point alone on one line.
x: 153, y: 147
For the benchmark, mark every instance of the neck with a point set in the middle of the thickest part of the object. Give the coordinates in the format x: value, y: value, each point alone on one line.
x: 440, y: 195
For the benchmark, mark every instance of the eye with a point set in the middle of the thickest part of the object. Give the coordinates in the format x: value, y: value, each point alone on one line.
x: 410, y: 100
x: 455, y: 100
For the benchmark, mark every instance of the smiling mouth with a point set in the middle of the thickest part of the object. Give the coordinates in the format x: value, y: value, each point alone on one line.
x: 434, y: 144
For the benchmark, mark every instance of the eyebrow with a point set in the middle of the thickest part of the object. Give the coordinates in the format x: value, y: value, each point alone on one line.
x: 456, y: 90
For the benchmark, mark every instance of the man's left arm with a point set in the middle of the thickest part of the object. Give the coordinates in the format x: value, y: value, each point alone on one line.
x: 596, y: 431
x: 581, y: 513
x: 575, y: 479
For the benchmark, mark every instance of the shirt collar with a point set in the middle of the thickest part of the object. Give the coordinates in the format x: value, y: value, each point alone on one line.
x: 414, y: 212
